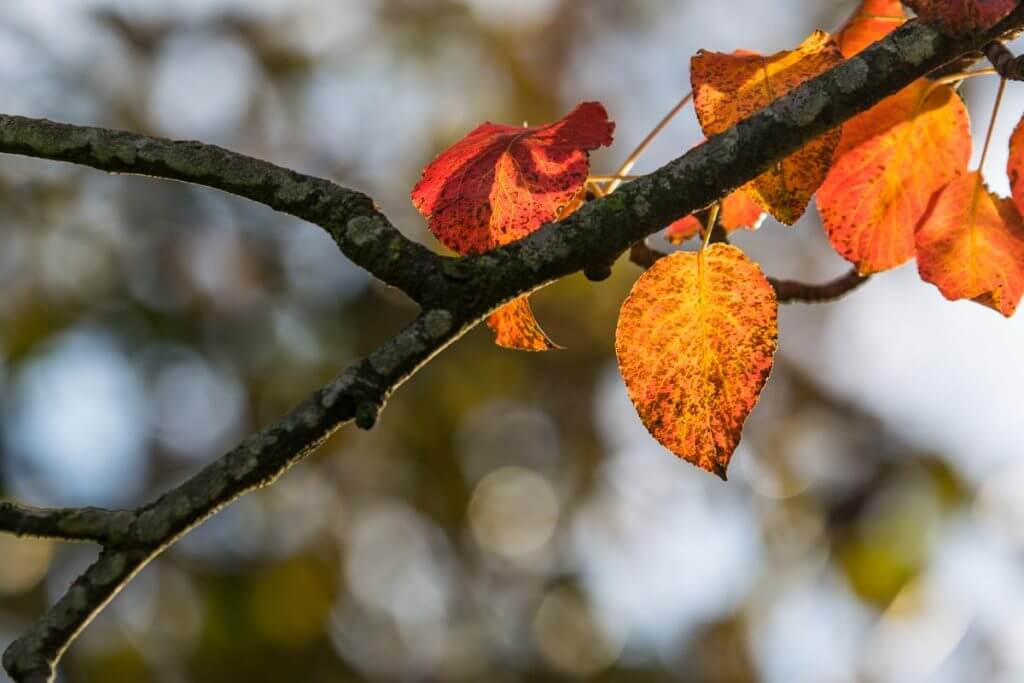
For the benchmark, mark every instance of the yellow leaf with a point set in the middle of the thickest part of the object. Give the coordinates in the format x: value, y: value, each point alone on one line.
x: 515, y: 327
x: 730, y: 87
x: 695, y: 342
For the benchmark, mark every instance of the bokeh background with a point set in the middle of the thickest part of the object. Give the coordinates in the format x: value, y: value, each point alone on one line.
x: 509, y: 518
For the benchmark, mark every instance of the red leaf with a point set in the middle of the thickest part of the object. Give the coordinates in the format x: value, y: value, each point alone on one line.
x: 1015, y: 165
x: 959, y: 17
x: 500, y: 183
x: 971, y: 245
x: 873, y: 21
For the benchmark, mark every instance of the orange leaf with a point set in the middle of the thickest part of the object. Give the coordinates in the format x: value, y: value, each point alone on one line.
x: 890, y: 162
x: 730, y: 87
x: 515, y: 327
x: 874, y: 20
x: 500, y: 183
x: 1015, y: 165
x: 738, y: 212
x: 695, y: 341
x: 971, y: 245
x: 959, y: 17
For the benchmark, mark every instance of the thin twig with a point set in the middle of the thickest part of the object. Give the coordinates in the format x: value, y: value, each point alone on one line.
x: 793, y: 291
x: 635, y: 155
x: 963, y: 76
x: 786, y: 291
x: 1004, y: 62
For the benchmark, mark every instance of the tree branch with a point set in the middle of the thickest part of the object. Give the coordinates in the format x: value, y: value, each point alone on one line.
x: 362, y: 232
x: 66, y: 524
x: 144, y: 533
x: 794, y: 291
x: 605, y: 227
x: 455, y: 293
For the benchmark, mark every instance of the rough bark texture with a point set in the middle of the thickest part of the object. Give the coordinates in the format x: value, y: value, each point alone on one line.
x: 455, y: 294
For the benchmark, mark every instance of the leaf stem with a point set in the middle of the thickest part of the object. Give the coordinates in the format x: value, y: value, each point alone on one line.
x: 709, y: 227
x: 992, y: 123
x: 634, y: 156
x: 610, y: 178
x: 964, y: 75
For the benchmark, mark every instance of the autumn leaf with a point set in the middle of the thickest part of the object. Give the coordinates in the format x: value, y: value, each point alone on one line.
x: 738, y: 212
x: 1015, y: 165
x: 873, y: 20
x: 695, y: 342
x: 960, y: 17
x: 890, y: 162
x: 971, y: 245
x: 515, y: 327
x: 500, y: 183
x: 730, y: 87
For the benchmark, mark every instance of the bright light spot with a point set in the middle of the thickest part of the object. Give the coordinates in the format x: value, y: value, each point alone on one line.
x: 508, y: 14
x: 918, y: 631
x: 76, y: 424
x: 25, y: 563
x: 570, y: 638
x: 808, y: 631
x: 197, y: 409
x: 999, y: 504
x: 397, y: 563
x: 513, y: 512
x: 661, y: 546
x: 202, y: 85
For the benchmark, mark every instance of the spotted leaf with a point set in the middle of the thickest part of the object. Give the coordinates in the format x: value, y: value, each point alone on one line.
x: 730, y: 87
x: 890, y: 162
x: 959, y: 17
x: 500, y: 183
x: 695, y: 342
x: 1015, y: 165
x: 971, y: 245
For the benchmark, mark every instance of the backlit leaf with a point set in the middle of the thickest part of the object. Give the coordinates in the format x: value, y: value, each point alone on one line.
x: 738, y: 212
x: 695, y: 342
x: 959, y: 17
x: 730, y: 87
x: 890, y: 162
x: 515, y: 327
x: 971, y: 245
x: 1015, y: 165
x: 873, y: 20
x: 500, y: 183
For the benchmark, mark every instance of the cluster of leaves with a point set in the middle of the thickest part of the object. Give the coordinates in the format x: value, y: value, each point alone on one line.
x: 697, y: 334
